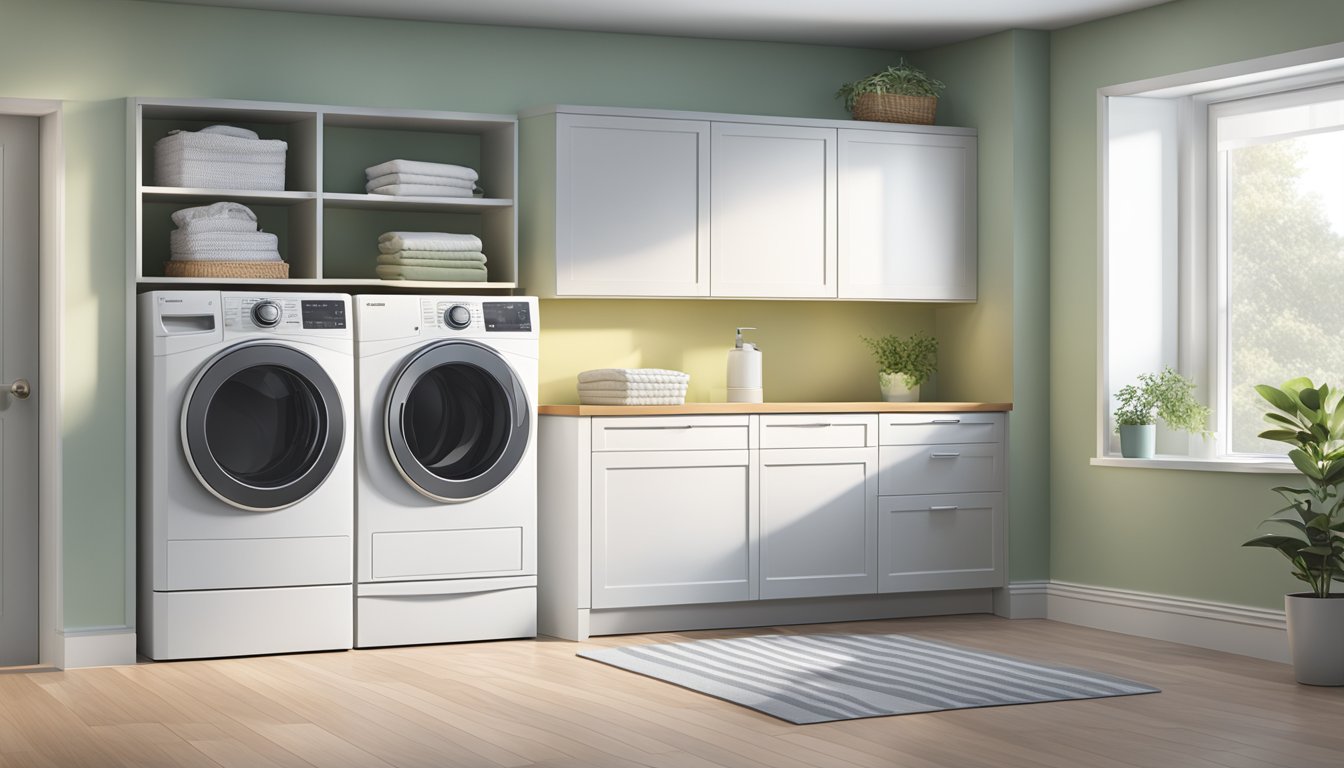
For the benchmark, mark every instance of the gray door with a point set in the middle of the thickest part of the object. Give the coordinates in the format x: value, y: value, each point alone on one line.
x: 18, y: 415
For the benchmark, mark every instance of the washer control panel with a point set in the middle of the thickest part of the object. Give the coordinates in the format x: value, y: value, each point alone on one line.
x: 283, y: 313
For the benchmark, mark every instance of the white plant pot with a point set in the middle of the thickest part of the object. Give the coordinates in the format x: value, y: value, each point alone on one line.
x: 895, y: 389
x: 1316, y: 637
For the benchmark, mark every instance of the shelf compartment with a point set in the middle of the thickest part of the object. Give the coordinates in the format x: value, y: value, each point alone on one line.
x: 350, y: 238
x: 292, y: 220
x: 299, y: 130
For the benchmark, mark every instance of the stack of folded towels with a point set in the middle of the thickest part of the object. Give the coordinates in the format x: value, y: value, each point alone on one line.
x: 219, y: 157
x: 633, y: 386
x: 221, y: 232
x: 430, y: 256
x: 415, y: 178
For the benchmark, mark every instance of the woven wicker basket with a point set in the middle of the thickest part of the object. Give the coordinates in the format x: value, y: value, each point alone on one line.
x: 892, y: 108
x: 269, y: 270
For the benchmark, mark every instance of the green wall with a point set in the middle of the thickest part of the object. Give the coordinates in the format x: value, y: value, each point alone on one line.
x: 999, y: 85
x: 94, y: 53
x: 1163, y: 531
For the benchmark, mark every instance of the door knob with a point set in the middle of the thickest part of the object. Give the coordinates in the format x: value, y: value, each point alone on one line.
x: 21, y: 389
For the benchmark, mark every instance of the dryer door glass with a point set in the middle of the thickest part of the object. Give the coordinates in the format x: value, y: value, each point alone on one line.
x: 457, y: 421
x: 262, y: 427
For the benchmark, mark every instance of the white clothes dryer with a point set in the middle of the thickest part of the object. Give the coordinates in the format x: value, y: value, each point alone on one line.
x: 446, y: 472
x: 246, y: 468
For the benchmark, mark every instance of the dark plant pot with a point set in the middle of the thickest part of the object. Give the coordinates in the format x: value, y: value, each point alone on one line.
x: 1315, y: 629
x: 1137, y: 441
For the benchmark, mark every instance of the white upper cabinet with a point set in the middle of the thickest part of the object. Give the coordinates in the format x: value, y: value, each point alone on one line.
x: 654, y: 203
x: 908, y: 218
x: 631, y: 197
x: 772, y: 217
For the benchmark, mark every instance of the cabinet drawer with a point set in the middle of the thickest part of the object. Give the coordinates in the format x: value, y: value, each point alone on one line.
x: 952, y: 541
x: 671, y: 433
x: 927, y: 428
x: 951, y: 468
x: 819, y: 431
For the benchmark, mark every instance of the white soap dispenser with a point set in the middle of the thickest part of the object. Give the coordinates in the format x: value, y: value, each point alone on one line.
x: 744, y: 371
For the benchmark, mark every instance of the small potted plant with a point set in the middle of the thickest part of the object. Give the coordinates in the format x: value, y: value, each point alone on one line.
x: 899, y: 94
x: 1311, y: 533
x: 903, y: 363
x: 1168, y: 396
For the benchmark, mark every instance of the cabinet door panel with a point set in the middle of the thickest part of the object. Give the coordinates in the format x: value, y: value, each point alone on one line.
x: 930, y: 428
x: 907, y: 229
x: 632, y: 204
x: 673, y: 527
x: 951, y: 541
x: 818, y: 522
x: 772, y: 211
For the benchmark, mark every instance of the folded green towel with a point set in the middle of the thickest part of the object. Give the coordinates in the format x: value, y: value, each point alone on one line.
x: 475, y: 256
x: 389, y: 260
x: 390, y: 272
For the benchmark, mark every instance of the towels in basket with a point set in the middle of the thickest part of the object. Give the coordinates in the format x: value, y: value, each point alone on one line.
x: 219, y: 157
x: 222, y: 240
x: 633, y: 386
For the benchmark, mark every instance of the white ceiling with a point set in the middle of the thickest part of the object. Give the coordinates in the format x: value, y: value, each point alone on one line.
x: 888, y: 24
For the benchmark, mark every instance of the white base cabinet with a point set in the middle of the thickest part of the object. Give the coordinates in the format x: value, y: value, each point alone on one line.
x: 660, y: 512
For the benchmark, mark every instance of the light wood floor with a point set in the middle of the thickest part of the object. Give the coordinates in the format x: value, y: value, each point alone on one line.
x: 533, y: 703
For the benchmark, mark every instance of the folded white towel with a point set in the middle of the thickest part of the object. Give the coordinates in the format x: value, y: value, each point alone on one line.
x: 412, y: 260
x: 391, y: 242
x: 422, y: 190
x: 224, y: 210
x: 653, y: 375
x: 238, y: 255
x: 422, y: 168
x: 417, y: 178
x: 199, y: 226
x: 634, y: 387
x: 587, y: 399
x: 196, y: 242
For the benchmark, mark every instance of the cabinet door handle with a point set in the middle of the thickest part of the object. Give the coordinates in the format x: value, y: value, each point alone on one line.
x: 816, y: 424
x: 654, y: 426
x: 944, y: 508
x: 946, y: 421
x: 945, y: 455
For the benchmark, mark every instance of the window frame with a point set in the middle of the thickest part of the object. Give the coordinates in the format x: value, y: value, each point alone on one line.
x: 1201, y: 349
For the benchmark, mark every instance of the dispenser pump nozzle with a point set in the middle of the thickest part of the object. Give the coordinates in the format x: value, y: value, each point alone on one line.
x: 739, y: 335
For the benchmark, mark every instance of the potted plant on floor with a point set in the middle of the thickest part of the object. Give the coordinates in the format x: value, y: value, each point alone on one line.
x: 899, y: 94
x: 1311, y: 527
x: 1168, y: 396
x: 903, y: 364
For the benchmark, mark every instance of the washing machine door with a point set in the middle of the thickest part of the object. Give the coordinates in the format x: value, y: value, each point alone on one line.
x: 262, y: 426
x: 457, y: 420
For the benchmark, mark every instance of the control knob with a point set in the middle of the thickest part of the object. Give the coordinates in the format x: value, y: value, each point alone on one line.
x: 457, y: 317
x: 266, y: 314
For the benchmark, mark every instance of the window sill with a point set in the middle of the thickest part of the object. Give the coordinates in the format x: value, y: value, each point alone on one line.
x: 1254, y: 466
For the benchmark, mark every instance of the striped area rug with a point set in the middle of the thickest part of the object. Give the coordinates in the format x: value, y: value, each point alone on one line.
x: 821, y: 678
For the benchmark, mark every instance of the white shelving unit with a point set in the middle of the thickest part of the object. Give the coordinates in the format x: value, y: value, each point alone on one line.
x: 327, y: 226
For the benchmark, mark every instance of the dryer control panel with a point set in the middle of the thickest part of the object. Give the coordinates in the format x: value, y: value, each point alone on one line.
x: 283, y: 313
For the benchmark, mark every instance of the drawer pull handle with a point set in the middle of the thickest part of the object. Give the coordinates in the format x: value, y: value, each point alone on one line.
x: 946, y: 421
x: 658, y: 426
x: 816, y: 424
x: 945, y: 455
x: 944, y: 508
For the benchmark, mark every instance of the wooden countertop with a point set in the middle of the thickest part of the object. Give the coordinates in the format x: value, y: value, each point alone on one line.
x: 704, y: 408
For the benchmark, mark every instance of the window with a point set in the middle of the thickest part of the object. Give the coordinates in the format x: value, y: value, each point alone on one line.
x: 1223, y: 242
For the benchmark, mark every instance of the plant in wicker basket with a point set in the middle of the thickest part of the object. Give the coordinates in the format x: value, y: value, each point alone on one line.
x: 897, y: 94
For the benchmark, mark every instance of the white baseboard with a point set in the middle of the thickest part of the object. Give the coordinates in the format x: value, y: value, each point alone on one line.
x: 1021, y: 600
x: 98, y: 647
x: 1257, y: 632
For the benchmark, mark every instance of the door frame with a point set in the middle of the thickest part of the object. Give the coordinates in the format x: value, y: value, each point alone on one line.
x: 50, y: 340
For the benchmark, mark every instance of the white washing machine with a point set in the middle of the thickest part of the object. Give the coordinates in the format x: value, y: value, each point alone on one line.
x: 446, y: 478
x: 246, y: 473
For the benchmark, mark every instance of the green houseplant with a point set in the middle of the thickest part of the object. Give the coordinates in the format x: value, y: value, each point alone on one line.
x: 897, y: 94
x: 1311, y: 528
x: 903, y: 363
x: 1168, y: 396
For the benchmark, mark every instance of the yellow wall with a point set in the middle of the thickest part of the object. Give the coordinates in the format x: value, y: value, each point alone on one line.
x: 811, y: 350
